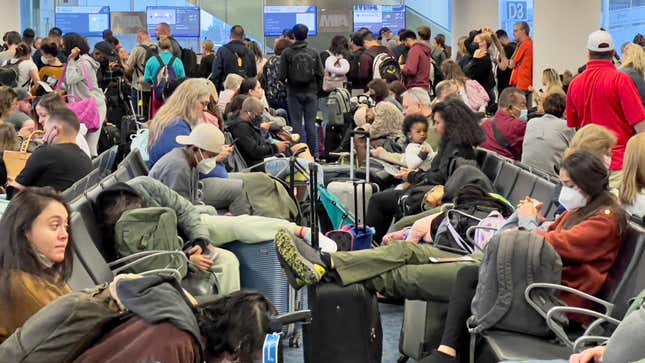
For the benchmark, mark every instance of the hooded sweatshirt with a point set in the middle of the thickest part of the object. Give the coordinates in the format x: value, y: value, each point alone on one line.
x: 417, y: 67
x: 76, y: 83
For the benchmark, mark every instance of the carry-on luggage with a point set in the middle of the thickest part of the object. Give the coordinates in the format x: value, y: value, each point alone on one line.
x: 422, y: 328
x: 346, y: 323
x: 260, y: 270
x: 344, y: 189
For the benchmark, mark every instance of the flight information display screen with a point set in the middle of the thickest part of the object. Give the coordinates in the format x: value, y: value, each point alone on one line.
x: 183, y: 20
x: 279, y: 18
x: 375, y: 17
x: 88, y: 21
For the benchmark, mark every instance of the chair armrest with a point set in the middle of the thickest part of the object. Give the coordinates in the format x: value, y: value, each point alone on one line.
x: 143, y: 256
x: 559, y: 331
x: 539, y: 285
x: 584, y: 341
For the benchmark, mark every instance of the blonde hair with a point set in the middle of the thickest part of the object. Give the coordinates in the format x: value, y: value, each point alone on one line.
x: 553, y: 81
x: 451, y: 70
x: 233, y: 81
x: 633, y: 169
x: 208, y: 46
x: 634, y: 57
x: 181, y: 105
x: 487, y: 38
x: 594, y: 139
x: 165, y: 44
x: 8, y: 137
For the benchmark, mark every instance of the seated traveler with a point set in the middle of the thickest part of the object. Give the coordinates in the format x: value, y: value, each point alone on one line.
x: 505, y: 131
x: 459, y: 133
x: 51, y: 102
x: 204, y: 150
x: 59, y: 164
x: 231, y: 87
x: 548, y: 136
x: 246, y: 129
x: 587, y: 237
x: 35, y: 255
x: 632, y: 189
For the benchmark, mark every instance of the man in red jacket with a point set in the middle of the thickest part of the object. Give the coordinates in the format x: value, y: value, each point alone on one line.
x: 505, y: 131
x: 416, y: 70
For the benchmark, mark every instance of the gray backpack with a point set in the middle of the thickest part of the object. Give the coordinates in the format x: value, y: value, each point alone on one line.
x: 64, y: 329
x: 338, y: 104
x: 513, y: 261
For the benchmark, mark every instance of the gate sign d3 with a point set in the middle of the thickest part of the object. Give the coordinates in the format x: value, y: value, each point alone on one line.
x: 516, y: 10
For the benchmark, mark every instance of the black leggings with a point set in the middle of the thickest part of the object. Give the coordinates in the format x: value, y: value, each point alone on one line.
x: 455, y: 334
x: 383, y: 206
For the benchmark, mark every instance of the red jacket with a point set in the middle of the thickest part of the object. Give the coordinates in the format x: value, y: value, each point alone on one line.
x: 417, y: 67
x: 588, y: 250
x: 513, y: 130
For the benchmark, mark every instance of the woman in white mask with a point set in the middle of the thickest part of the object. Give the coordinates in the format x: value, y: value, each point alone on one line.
x: 588, y: 235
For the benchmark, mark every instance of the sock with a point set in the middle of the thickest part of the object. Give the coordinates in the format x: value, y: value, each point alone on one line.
x: 325, y: 243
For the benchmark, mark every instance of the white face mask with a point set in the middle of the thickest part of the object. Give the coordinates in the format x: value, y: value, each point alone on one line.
x: 205, y: 166
x: 571, y: 198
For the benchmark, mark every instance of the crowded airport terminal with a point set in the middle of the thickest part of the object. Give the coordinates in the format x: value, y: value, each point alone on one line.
x: 322, y: 181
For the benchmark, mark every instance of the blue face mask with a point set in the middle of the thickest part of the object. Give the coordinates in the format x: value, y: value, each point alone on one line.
x: 524, y: 115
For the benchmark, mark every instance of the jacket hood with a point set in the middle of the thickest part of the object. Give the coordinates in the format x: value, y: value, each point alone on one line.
x: 299, y: 44
x: 91, y: 61
x: 426, y: 49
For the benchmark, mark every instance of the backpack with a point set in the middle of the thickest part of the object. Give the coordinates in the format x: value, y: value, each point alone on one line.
x: 485, y: 230
x: 336, y: 68
x: 165, y: 74
x: 238, y: 63
x: 476, y: 95
x: 65, y: 328
x: 149, y: 229
x: 513, y: 261
x: 110, y: 135
x: 354, y: 66
x: 302, y: 68
x: 9, y: 74
x: 151, y: 51
x: 338, y: 104
x: 140, y: 142
x: 276, y: 93
x: 189, y: 59
x: 385, y: 67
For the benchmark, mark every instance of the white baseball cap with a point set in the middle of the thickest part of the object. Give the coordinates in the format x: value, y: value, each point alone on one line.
x: 600, y: 41
x: 205, y: 136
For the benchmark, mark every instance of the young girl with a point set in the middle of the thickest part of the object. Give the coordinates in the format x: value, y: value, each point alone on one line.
x: 415, y: 128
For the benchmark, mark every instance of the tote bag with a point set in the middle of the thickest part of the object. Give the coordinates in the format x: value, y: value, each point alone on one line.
x: 15, y: 161
x: 86, y: 110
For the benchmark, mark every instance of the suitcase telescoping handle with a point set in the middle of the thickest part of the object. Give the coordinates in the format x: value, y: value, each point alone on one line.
x: 352, y: 153
x: 313, y: 196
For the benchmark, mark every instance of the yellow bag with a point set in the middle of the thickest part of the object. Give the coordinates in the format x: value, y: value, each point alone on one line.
x: 15, y: 161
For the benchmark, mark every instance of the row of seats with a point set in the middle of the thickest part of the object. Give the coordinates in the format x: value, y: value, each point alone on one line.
x: 625, y: 280
x: 515, y: 183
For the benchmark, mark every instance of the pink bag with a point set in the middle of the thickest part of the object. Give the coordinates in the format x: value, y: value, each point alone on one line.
x: 86, y: 110
x: 477, y: 96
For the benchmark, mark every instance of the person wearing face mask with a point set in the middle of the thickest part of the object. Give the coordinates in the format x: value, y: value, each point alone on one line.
x: 35, y: 255
x: 202, y: 153
x: 246, y: 128
x: 480, y: 66
x: 59, y: 164
x: 505, y: 131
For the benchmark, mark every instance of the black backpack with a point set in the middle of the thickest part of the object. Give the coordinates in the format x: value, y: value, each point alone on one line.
x: 239, y: 63
x: 151, y: 51
x: 302, y: 70
x: 513, y: 261
x: 189, y: 59
x: 9, y: 74
x: 354, y: 66
x: 276, y: 90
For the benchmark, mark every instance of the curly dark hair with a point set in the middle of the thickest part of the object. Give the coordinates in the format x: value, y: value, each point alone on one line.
x: 462, y: 125
x: 73, y: 40
x: 236, y: 324
x: 410, y: 120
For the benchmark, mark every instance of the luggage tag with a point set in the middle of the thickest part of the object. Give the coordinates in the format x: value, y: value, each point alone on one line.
x: 270, y: 348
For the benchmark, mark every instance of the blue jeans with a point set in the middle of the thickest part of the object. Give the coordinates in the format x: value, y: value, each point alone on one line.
x: 303, y: 108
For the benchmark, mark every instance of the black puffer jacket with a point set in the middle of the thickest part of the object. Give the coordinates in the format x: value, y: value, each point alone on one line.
x: 252, y: 145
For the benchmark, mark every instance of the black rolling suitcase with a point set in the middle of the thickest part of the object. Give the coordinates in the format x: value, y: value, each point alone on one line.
x: 346, y: 323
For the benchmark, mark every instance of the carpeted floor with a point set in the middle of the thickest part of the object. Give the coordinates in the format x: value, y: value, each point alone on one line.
x: 391, y: 320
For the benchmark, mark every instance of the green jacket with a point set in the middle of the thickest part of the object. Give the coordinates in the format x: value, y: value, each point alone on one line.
x: 156, y: 194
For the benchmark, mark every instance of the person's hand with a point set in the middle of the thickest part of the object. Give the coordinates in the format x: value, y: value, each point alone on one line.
x: 487, y: 30
x: 27, y: 128
x: 265, y: 126
x: 74, y: 54
x: 511, y: 64
x: 425, y: 149
x: 480, y: 53
x: 531, y: 88
x: 115, y: 65
x: 403, y: 174
x: 526, y: 210
x: 378, y: 152
x: 589, y: 355
x: 282, y: 146
x: 11, y: 182
x: 435, y: 196
x: 227, y: 150
x: 201, y: 260
x: 50, y: 134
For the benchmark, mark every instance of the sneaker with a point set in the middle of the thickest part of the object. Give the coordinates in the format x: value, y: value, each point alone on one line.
x: 302, y: 263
